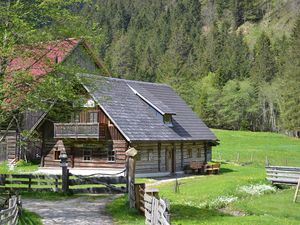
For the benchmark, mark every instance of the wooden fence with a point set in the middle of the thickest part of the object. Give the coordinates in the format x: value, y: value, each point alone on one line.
x: 10, y: 215
x: 283, y: 174
x: 156, y: 210
x: 53, y: 183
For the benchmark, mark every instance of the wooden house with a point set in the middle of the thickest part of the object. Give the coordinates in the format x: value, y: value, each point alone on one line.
x: 119, y: 114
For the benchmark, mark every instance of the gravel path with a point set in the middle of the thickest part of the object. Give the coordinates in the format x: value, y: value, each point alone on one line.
x: 82, y: 210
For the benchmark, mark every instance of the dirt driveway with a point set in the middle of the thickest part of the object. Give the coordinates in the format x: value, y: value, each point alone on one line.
x: 81, y: 210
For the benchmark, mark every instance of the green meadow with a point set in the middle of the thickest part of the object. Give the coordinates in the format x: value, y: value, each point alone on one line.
x: 220, y: 199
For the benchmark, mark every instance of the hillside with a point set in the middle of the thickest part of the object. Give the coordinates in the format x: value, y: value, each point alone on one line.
x: 278, y: 20
x: 254, y: 147
x: 229, y: 60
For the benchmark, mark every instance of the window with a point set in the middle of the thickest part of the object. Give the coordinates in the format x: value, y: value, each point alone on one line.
x: 87, y: 154
x: 56, y: 155
x: 168, y: 120
x: 110, y: 154
x: 189, y: 153
x: 150, y: 155
x: 76, y: 117
x: 93, y: 117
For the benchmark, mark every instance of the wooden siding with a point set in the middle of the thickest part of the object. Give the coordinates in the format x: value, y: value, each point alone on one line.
x: 75, y: 152
x: 147, y: 163
x: 164, y: 150
x: 9, y: 145
x: 194, y: 147
x: 108, y: 129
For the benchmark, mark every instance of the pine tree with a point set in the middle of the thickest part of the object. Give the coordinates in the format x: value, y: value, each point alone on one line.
x: 264, y: 65
x: 290, y: 83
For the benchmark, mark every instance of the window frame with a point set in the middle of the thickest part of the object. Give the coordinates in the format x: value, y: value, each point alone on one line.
x: 55, y: 154
x: 150, y: 155
x: 168, y: 120
x: 94, y: 116
x: 87, y: 155
x: 111, y: 154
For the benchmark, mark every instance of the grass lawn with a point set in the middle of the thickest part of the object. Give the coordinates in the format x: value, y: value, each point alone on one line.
x: 29, y: 218
x: 198, y: 201
x: 20, y: 168
x: 280, y: 149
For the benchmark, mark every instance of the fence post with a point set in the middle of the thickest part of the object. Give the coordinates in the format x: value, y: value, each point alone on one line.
x: 130, y: 175
x: 10, y: 205
x: 267, y: 161
x: 138, y: 197
x: 65, y: 172
x: 238, y: 157
x: 2, y: 179
x: 29, y: 182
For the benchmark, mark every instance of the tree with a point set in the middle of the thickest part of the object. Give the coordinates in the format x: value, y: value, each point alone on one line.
x: 238, y: 105
x: 122, y: 58
x: 264, y: 66
x: 23, y: 24
x: 290, y: 83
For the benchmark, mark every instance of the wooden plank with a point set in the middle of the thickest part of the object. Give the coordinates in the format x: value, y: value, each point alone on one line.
x: 283, y: 180
x: 285, y: 168
x: 35, y: 176
x: 296, y: 176
x: 97, y: 180
x: 297, y: 191
x: 282, y: 171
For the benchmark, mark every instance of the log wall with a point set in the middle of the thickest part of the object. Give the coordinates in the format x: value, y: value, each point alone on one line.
x: 9, y: 146
x: 75, y: 152
x: 160, y: 161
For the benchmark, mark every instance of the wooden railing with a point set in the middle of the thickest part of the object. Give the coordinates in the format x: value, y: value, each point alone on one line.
x: 11, y: 214
x: 53, y: 183
x: 283, y: 174
x: 76, y: 130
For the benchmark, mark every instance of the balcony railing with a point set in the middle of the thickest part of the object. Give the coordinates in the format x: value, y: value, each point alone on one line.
x: 76, y: 130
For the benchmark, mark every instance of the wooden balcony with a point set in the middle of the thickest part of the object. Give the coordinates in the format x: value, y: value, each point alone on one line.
x: 76, y: 130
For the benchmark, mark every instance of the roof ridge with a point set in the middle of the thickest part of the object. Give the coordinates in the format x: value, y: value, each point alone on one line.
x: 131, y: 81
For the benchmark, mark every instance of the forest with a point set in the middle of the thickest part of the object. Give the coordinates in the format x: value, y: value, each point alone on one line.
x: 235, y: 62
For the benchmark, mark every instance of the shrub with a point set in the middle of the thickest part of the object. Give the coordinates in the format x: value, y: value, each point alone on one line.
x: 257, y: 189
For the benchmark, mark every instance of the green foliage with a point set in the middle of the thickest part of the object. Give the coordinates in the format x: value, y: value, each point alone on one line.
x: 290, y: 97
x: 264, y: 66
x: 175, y: 42
x: 29, y: 218
x: 122, y: 214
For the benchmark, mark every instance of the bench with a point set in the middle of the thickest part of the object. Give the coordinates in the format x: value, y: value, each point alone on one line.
x: 212, y: 168
x: 283, y: 174
x: 197, y: 166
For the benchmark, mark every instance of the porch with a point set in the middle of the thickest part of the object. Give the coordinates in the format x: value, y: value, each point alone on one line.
x: 77, y: 130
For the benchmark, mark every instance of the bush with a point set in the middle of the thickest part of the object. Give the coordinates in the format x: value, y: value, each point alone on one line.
x: 22, y: 162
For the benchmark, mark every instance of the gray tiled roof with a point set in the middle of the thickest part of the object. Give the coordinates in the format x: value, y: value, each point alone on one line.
x: 136, y: 120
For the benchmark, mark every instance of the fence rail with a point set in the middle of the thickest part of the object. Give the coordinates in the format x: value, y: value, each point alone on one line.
x: 53, y: 183
x: 76, y: 130
x: 11, y: 214
x: 283, y: 174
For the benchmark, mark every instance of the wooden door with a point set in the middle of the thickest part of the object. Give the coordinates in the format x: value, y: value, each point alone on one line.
x: 170, y: 160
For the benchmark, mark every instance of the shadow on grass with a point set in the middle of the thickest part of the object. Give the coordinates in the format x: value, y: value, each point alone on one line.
x: 183, y: 214
x: 227, y: 170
